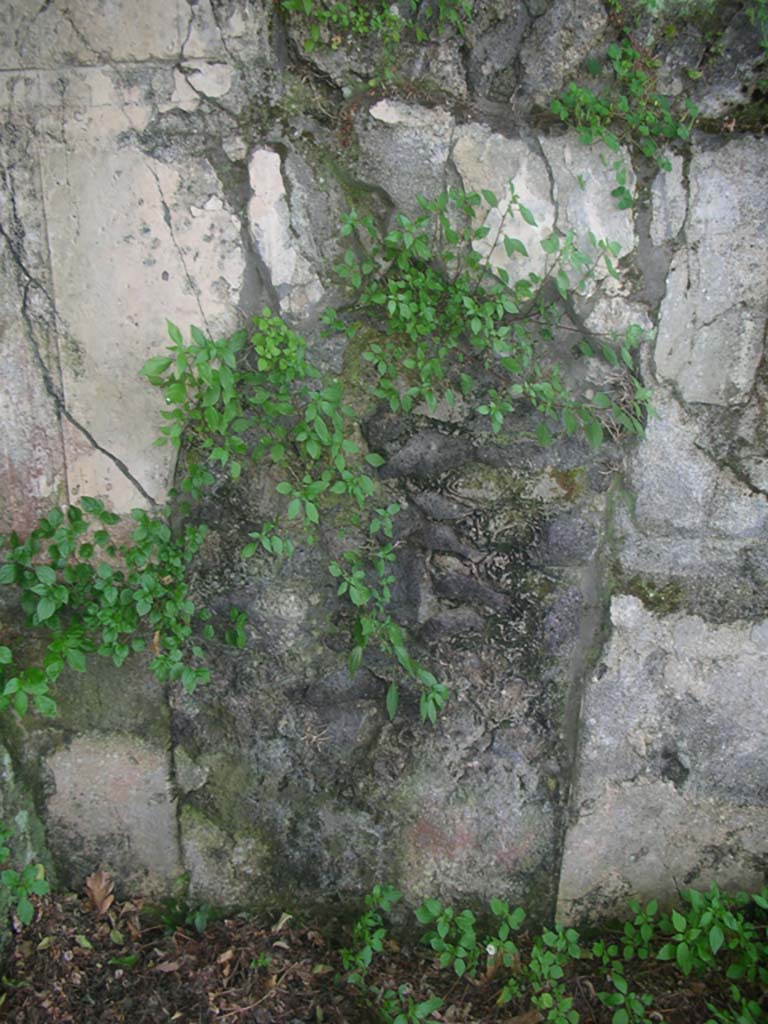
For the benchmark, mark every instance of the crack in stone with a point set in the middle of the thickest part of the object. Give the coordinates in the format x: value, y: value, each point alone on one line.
x: 66, y: 14
x: 220, y: 30
x: 213, y: 101
x: 52, y: 390
x: 169, y: 222
x: 534, y: 143
x: 190, y: 24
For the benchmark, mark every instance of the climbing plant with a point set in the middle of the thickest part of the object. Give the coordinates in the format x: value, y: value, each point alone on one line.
x: 445, y: 317
x: 626, y: 109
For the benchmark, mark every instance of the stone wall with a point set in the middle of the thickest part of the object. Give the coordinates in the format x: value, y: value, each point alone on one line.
x: 600, y: 618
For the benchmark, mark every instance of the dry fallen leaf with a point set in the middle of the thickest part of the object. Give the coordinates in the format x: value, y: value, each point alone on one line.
x: 225, y: 956
x: 167, y: 967
x: 284, y: 919
x: 529, y: 1017
x: 98, y: 887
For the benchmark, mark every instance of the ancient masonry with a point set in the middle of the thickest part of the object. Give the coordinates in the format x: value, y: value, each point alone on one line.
x: 601, y: 618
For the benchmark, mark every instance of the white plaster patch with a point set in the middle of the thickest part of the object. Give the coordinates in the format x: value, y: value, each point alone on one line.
x: 296, y: 284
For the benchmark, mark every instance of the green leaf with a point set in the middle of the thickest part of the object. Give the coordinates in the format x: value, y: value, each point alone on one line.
x: 7, y: 574
x: 489, y: 197
x: 124, y: 961
x: 716, y: 938
x: 678, y: 921
x: 543, y: 435
x: 684, y: 958
x: 45, y: 705
x: 156, y: 366
x: 45, y: 608
x: 373, y: 459
x: 594, y: 433
x: 513, y: 245
x: 76, y: 660
x: 551, y: 244
x: 527, y: 216
x: 294, y: 508
x: 174, y: 333
x: 5, y: 656
x: 25, y: 911
x: 392, y: 697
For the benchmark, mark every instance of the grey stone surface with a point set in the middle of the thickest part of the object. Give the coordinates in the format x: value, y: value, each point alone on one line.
x: 712, y: 321
x: 111, y: 807
x: 669, y: 202
x: 583, y: 177
x: 688, y: 518
x: 563, y: 35
x: 404, y: 150
x: 672, y: 785
x: 296, y: 284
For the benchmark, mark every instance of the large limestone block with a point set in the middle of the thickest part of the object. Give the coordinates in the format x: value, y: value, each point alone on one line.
x: 133, y: 241
x: 672, y: 778
x: 680, y: 491
x: 689, y: 518
x: 486, y: 160
x: 583, y: 177
x: 32, y: 463
x: 713, y: 318
x: 96, y: 31
x: 111, y: 807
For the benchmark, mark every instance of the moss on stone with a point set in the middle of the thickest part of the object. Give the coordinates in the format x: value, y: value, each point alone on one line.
x: 572, y: 482
x: 662, y: 598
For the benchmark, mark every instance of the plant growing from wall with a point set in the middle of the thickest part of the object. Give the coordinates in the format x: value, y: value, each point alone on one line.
x: 626, y: 110
x: 20, y: 885
x: 90, y: 594
x: 335, y: 19
x: 444, y: 320
x: 447, y: 324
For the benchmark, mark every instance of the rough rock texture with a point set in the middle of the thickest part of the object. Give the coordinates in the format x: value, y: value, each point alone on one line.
x: 111, y: 804
x: 193, y: 163
x: 712, y: 322
x: 672, y: 775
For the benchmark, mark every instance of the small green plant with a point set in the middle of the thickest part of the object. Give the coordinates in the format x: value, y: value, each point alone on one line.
x: 549, y: 960
x: 628, y: 110
x: 178, y: 913
x: 640, y: 930
x: 92, y: 594
x: 368, y: 934
x: 452, y: 936
x: 331, y: 20
x: 397, y: 1006
x: 20, y: 885
x: 712, y: 926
